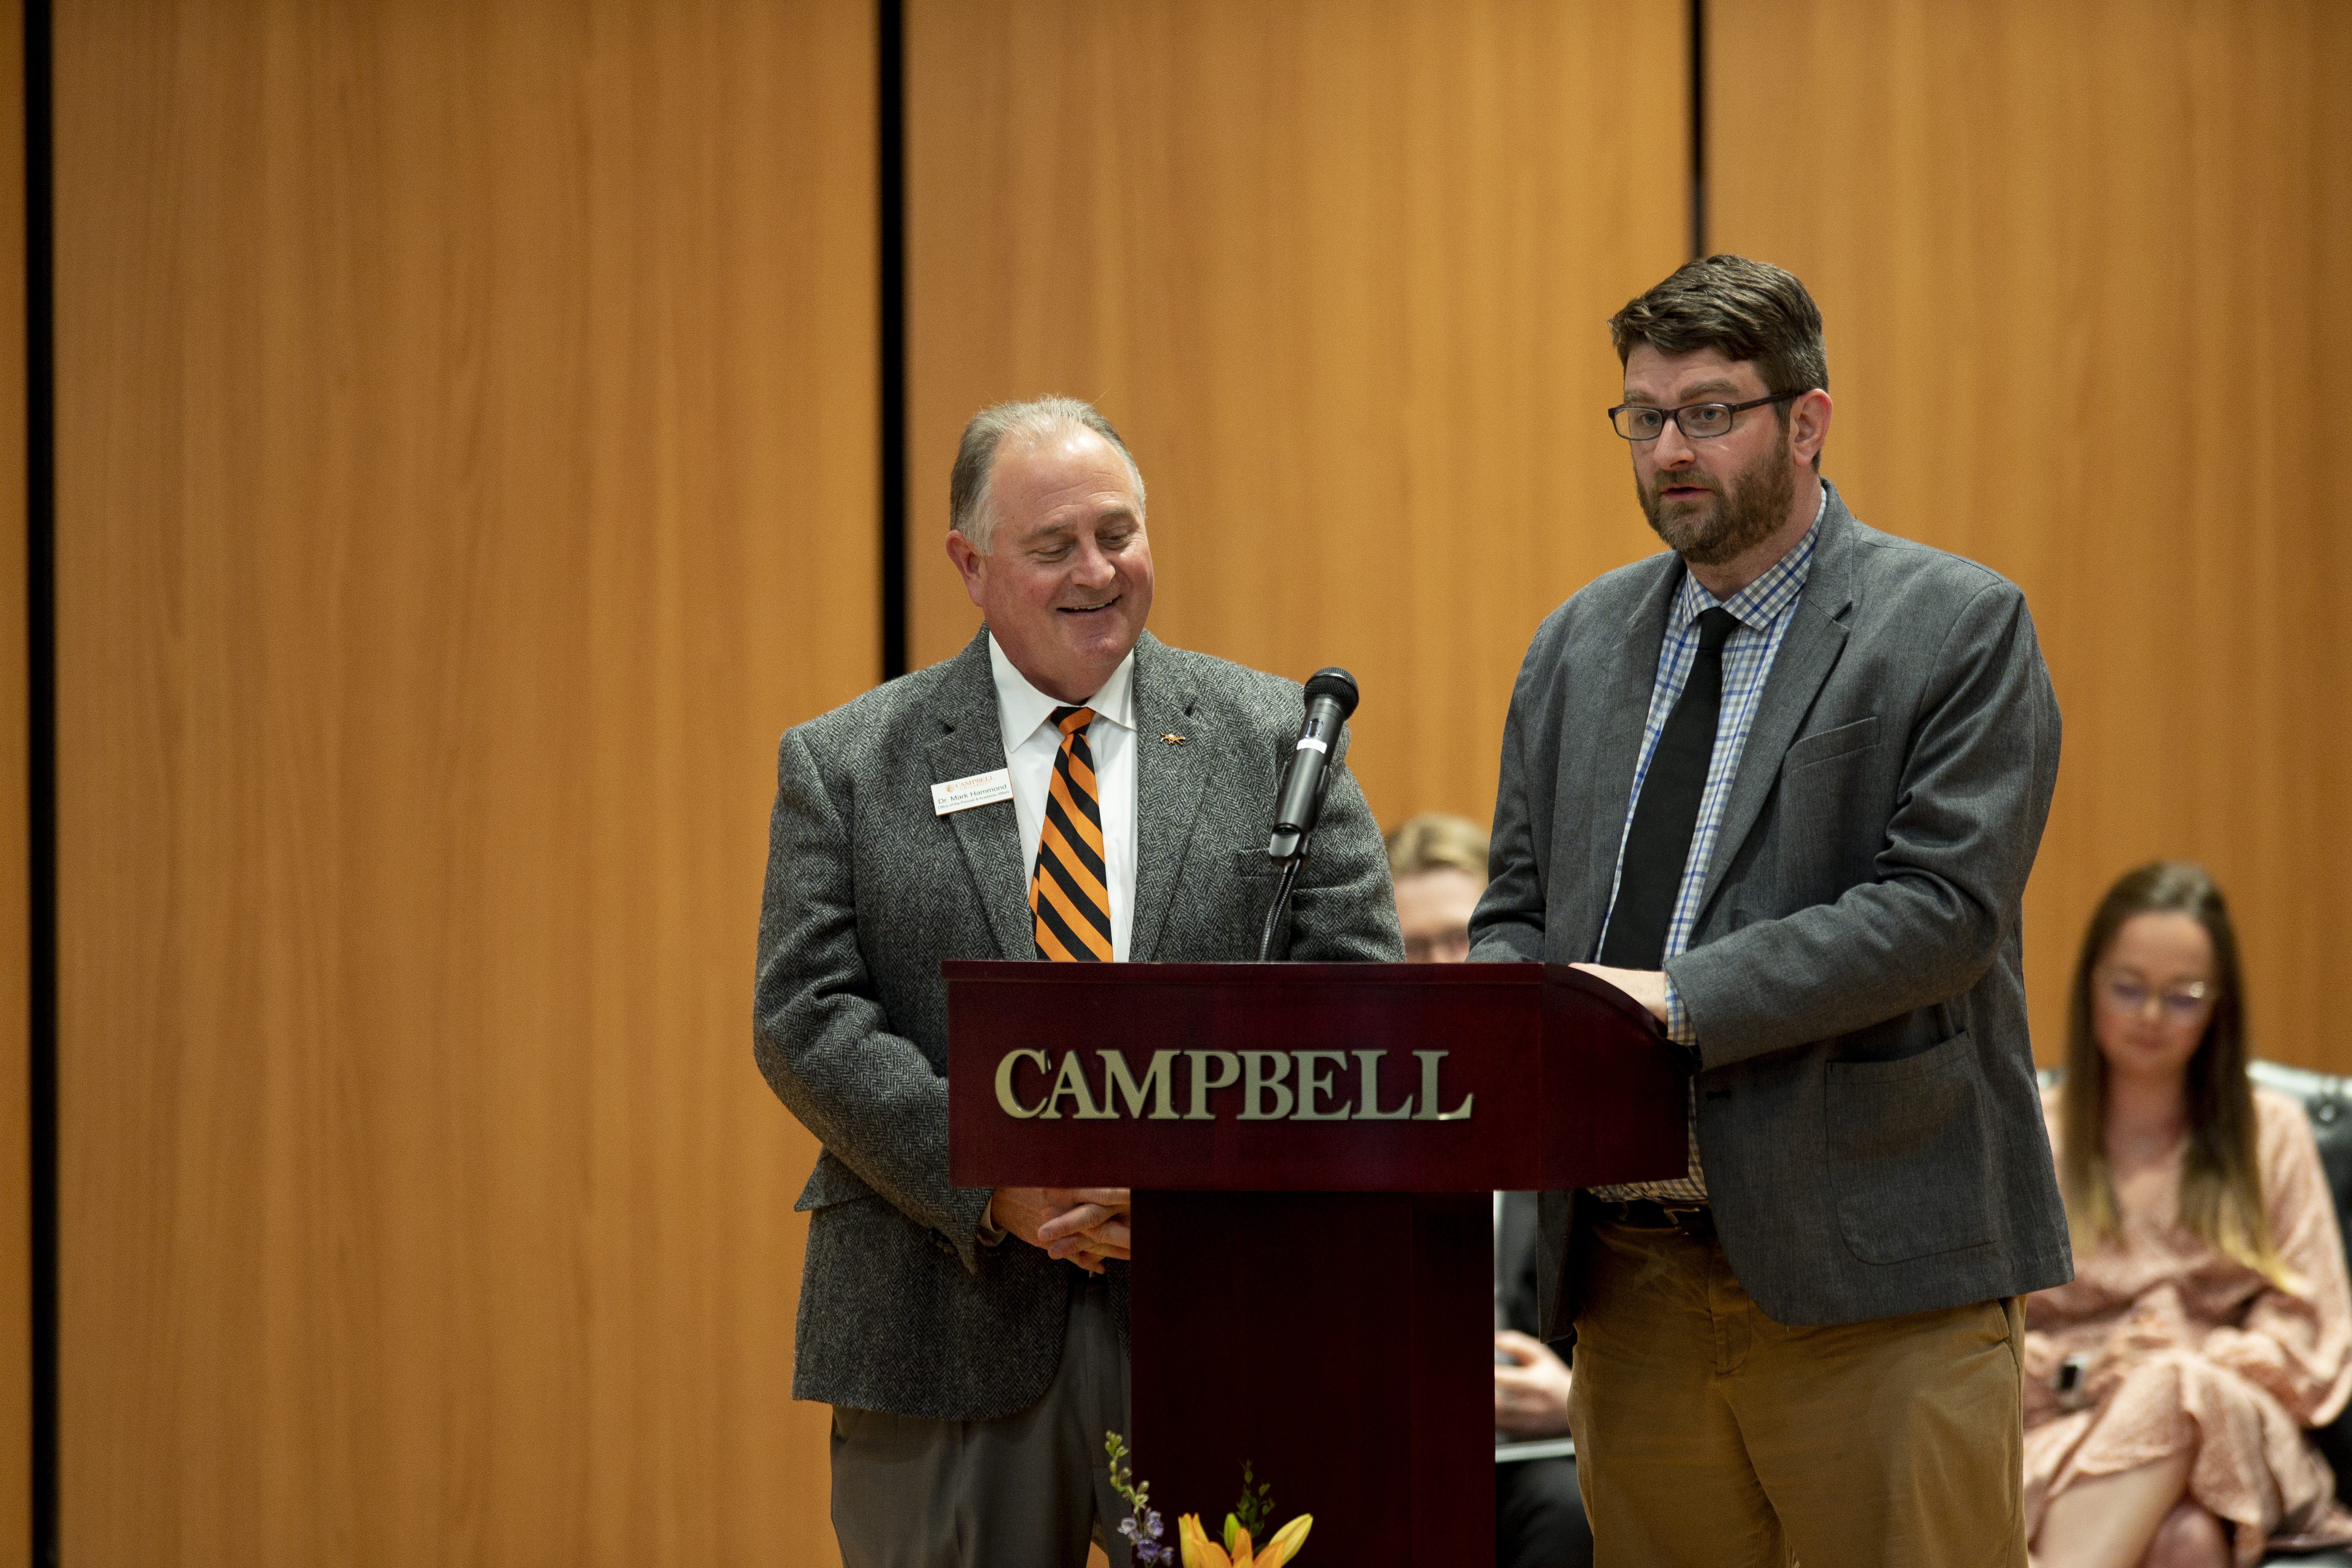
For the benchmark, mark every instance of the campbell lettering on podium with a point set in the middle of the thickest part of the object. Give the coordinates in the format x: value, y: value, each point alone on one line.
x: 1420, y: 1078
x: 1271, y: 1086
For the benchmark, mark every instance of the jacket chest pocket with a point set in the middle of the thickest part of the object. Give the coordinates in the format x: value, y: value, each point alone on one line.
x: 1812, y: 751
x: 1822, y: 838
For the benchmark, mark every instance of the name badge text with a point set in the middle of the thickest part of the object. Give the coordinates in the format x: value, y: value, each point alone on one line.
x: 979, y: 789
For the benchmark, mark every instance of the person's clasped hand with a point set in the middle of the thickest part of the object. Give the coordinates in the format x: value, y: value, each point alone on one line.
x: 1086, y: 1225
x: 1530, y: 1387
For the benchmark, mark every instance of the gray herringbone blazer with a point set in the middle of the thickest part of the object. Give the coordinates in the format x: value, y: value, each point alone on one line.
x: 902, y: 1309
x: 1867, y: 1111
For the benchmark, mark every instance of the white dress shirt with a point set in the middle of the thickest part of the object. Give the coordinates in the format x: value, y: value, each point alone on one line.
x: 1023, y: 715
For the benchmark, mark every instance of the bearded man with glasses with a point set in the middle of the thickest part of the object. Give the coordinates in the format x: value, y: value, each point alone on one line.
x: 1783, y: 785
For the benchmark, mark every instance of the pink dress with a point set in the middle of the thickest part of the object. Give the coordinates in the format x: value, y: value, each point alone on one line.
x: 2187, y: 1352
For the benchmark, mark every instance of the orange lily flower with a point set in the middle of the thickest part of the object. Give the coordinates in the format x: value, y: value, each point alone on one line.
x: 1199, y: 1552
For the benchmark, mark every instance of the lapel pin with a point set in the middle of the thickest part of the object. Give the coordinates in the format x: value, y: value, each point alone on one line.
x: 1173, y: 740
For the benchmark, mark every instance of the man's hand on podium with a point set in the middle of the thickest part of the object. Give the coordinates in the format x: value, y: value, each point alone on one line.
x: 1647, y: 986
x: 1531, y: 1387
x: 1085, y: 1224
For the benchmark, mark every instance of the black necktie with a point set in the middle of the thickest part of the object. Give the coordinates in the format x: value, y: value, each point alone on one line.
x: 1658, y: 843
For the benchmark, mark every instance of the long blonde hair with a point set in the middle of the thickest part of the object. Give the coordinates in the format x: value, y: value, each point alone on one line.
x: 2221, y: 1199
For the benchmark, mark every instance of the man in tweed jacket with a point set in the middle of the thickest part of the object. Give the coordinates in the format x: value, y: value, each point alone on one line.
x: 973, y: 1342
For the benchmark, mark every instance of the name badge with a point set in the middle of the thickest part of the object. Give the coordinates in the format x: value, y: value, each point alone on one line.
x: 979, y: 789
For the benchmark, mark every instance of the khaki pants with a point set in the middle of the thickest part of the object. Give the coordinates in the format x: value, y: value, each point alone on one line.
x: 1707, y: 1433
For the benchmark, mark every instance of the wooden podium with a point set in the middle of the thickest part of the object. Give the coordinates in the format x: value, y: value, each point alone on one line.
x: 1312, y: 1148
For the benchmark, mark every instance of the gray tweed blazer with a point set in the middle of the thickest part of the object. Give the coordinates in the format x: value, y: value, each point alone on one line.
x: 901, y: 1308
x: 1867, y: 1111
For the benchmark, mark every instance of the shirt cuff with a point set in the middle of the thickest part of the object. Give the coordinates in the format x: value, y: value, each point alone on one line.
x: 1678, y: 1020
x: 990, y: 1232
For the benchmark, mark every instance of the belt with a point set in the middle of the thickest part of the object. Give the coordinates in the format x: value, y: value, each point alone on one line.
x: 1694, y: 1220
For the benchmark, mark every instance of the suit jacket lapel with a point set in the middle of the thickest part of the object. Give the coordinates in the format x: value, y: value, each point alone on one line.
x: 1169, y: 782
x: 989, y: 836
x: 1808, y: 653
x: 1607, y: 751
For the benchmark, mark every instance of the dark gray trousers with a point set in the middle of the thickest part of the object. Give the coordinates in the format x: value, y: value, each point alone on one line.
x: 1031, y: 1487
x: 1540, y: 1516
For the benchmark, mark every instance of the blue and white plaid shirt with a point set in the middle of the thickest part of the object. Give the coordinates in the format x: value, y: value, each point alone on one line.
x: 1763, y: 609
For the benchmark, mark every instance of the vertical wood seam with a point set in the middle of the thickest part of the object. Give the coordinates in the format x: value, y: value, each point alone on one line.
x: 41, y: 814
x: 1698, y: 127
x: 890, y: 257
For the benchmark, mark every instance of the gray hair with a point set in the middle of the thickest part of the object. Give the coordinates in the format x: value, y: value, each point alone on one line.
x: 970, y: 513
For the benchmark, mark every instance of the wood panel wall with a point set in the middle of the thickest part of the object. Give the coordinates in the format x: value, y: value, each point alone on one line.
x: 1338, y: 272
x: 16, y: 882
x: 465, y: 434
x: 2083, y: 271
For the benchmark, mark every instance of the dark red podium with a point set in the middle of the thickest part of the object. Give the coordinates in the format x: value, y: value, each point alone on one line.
x: 1312, y: 1147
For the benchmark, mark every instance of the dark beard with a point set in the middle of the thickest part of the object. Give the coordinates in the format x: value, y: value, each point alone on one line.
x: 1745, y: 514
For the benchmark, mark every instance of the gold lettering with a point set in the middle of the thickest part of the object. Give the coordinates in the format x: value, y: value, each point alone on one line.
x: 1428, y: 1111
x: 1311, y: 1084
x: 1072, y: 1081
x: 1261, y: 1081
x: 1368, y: 1069
x: 1158, y: 1081
x: 1005, y: 1095
x: 1229, y: 1068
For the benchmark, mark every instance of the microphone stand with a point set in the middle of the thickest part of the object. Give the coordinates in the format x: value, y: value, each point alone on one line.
x: 1274, y: 943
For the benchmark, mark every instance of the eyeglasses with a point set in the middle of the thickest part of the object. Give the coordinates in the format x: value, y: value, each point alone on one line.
x: 1699, y: 421
x: 2179, y: 1004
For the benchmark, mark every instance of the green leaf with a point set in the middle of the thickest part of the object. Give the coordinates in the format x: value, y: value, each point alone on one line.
x: 1256, y: 1508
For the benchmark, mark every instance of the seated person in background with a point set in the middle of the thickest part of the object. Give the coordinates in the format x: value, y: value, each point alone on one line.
x: 2207, y: 1323
x: 1439, y: 864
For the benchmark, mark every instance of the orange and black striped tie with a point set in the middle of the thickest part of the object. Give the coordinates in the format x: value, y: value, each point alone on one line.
x: 1070, y: 893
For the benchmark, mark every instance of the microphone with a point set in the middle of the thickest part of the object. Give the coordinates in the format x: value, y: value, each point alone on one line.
x: 1330, y: 698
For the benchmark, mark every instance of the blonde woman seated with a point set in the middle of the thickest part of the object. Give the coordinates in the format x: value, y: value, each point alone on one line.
x: 2168, y: 1387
